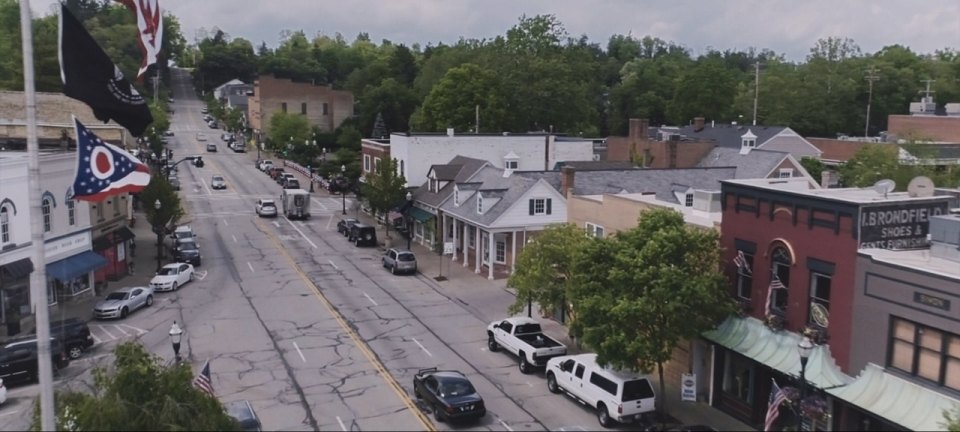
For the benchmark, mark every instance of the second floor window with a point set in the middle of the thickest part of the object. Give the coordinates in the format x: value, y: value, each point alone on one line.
x: 303, y: 108
x: 819, y: 291
x: 326, y: 109
x: 45, y: 209
x: 780, y: 279
x: 511, y: 164
x: 283, y: 106
x: 688, y: 201
x: 71, y: 212
x: 925, y: 352
x: 479, y: 203
x: 4, y: 225
x: 745, y: 278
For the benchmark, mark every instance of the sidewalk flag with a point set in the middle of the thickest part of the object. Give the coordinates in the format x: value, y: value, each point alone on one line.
x: 203, y: 382
x: 150, y: 24
x: 104, y: 169
x: 91, y: 77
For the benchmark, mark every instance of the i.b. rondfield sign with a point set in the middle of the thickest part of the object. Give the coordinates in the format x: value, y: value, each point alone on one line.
x: 898, y: 226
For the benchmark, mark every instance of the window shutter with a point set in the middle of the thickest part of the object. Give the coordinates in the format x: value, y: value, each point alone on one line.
x: 549, y: 202
x: 531, y: 207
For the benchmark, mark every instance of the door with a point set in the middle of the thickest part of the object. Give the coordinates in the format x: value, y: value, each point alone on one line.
x: 575, y: 384
x: 183, y: 275
x: 503, y: 334
x: 138, y: 298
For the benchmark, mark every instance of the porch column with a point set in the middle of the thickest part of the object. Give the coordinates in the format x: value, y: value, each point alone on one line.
x: 478, y: 256
x: 443, y: 232
x: 513, y: 253
x: 453, y: 256
x: 466, y: 245
x: 491, y: 247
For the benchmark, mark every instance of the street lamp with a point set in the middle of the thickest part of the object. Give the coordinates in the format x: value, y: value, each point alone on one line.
x: 409, y: 205
x: 343, y: 193
x: 175, y: 334
x: 530, y: 296
x: 805, y: 347
x: 159, y: 230
x: 310, y: 177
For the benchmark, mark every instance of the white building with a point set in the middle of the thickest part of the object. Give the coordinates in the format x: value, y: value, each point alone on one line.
x: 416, y: 153
x: 70, y: 261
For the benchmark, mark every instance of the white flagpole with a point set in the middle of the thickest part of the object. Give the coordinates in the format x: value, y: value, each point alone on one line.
x: 38, y: 279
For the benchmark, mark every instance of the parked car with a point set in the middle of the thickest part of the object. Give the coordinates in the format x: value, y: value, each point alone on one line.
x: 343, y: 227
x: 172, y: 276
x: 18, y: 357
x: 243, y: 413
x: 174, y: 182
x: 265, y: 165
x: 400, y: 260
x: 213, y: 124
x: 449, y: 394
x: 122, y: 302
x: 275, y: 173
x: 226, y: 137
x: 3, y: 393
x: 363, y: 235
x: 211, y: 147
x: 182, y: 233
x: 75, y: 335
x: 203, y: 110
x: 238, y: 146
x: 617, y: 396
x: 188, y: 251
x: 266, y: 208
x: 524, y: 338
x: 282, y: 177
x: 218, y: 182
x: 291, y: 183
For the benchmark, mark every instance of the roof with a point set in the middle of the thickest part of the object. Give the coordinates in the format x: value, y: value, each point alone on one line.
x: 467, y: 167
x: 917, y: 260
x: 896, y: 399
x: 800, y: 186
x: 725, y: 135
x: 489, y: 178
x: 446, y: 172
x: 778, y: 350
x: 237, y: 100
x: 591, y: 359
x: 662, y: 182
x: 596, y: 165
x: 755, y: 164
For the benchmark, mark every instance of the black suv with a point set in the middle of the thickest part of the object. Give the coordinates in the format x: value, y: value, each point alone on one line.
x: 18, y: 359
x: 343, y: 227
x: 188, y: 252
x: 363, y: 235
x: 75, y: 335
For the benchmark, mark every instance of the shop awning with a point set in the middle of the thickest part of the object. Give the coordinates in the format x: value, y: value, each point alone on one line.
x: 70, y: 268
x: 17, y: 269
x: 119, y: 235
x: 896, y: 399
x: 420, y: 214
x: 123, y: 234
x: 778, y: 350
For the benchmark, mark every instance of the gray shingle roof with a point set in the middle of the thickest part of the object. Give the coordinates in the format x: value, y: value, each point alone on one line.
x: 596, y: 165
x: 491, y: 183
x: 724, y: 135
x: 659, y: 181
x: 756, y: 164
x: 467, y: 167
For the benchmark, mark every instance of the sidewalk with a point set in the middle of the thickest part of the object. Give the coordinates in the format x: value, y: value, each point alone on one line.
x: 463, y: 283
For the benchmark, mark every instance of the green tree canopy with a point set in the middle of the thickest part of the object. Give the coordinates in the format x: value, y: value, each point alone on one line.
x: 659, y: 283
x: 170, y: 208
x: 545, y: 268
x: 385, y: 188
x: 288, y: 129
x: 453, y: 101
x: 140, y: 393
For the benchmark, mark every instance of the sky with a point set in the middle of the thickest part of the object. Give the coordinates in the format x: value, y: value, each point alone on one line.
x: 788, y: 27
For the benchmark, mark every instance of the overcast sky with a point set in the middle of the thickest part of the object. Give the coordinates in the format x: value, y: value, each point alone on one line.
x: 789, y: 27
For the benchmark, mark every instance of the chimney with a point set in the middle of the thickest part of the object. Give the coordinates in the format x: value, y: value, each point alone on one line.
x: 829, y: 179
x: 566, y: 180
x: 634, y: 128
x: 449, y: 132
x: 698, y: 124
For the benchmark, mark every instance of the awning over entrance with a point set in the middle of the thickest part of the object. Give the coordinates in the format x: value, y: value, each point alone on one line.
x: 17, y: 269
x: 119, y: 235
x: 778, y: 350
x: 123, y: 234
x: 420, y: 214
x: 896, y: 399
x: 70, y: 268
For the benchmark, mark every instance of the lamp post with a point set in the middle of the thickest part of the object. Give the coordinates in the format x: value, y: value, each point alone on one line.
x: 529, y: 296
x: 806, y: 348
x: 310, y: 177
x: 175, y: 334
x: 343, y: 193
x: 409, y: 205
x: 159, y: 230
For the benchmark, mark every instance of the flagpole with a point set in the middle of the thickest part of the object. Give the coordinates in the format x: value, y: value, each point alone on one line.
x: 38, y: 278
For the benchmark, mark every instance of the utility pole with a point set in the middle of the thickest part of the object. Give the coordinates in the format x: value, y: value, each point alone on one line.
x: 38, y: 278
x: 756, y: 90
x: 477, y: 114
x: 871, y: 77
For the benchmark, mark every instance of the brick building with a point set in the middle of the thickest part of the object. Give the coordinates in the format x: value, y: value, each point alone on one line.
x: 925, y: 127
x: 372, y: 151
x: 54, y: 121
x: 324, y: 107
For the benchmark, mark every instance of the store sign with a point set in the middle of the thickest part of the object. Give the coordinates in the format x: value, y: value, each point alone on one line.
x: 688, y: 387
x: 899, y: 226
x: 66, y: 246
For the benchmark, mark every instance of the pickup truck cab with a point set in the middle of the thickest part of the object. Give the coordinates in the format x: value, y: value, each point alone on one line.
x: 617, y: 396
x: 522, y: 337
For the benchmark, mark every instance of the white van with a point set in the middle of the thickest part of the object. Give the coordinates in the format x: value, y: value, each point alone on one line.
x: 265, y: 165
x: 617, y: 396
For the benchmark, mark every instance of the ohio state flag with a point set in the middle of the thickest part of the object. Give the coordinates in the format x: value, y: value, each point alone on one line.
x: 104, y: 169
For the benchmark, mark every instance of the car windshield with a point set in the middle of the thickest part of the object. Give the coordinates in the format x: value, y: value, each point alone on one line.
x: 117, y: 296
x: 187, y: 246
x: 406, y: 257
x: 456, y: 387
x: 168, y: 271
x: 184, y: 234
x: 636, y: 390
x: 217, y: 178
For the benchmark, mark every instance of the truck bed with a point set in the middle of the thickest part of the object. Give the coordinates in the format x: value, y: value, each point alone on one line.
x: 538, y: 340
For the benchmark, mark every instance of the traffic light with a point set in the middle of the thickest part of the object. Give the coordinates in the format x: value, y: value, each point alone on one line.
x: 198, y: 162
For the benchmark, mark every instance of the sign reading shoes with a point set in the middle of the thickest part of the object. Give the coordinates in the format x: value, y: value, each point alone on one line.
x: 898, y: 226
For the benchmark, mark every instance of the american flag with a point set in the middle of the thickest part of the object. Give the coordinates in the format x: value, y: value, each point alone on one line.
x: 150, y: 24
x: 104, y: 169
x: 741, y: 261
x: 777, y: 396
x: 202, y: 381
x: 774, y: 284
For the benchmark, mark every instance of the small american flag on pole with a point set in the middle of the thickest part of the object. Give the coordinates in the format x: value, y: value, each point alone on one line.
x: 741, y: 261
x: 777, y: 396
x: 774, y: 284
x: 202, y: 381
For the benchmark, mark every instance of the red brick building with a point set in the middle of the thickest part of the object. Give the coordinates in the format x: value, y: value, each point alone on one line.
x: 372, y: 151
x: 323, y: 106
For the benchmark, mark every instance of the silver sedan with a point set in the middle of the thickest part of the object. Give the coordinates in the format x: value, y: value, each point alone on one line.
x: 121, y: 302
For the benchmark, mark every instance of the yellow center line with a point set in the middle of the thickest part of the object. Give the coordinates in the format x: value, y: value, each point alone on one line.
x: 360, y: 344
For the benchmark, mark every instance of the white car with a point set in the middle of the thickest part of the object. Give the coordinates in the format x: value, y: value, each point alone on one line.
x: 123, y: 301
x: 172, y: 276
x: 266, y: 207
x: 3, y: 392
x: 217, y: 182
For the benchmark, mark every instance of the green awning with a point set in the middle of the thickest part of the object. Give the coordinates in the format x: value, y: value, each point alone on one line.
x: 896, y: 399
x: 419, y: 214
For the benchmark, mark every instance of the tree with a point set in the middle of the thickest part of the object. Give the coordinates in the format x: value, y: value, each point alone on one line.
x: 384, y: 188
x: 951, y: 420
x: 287, y: 129
x: 453, y: 101
x: 140, y: 393
x: 813, y: 166
x: 545, y: 268
x: 170, y: 209
x: 659, y: 283
x: 882, y: 161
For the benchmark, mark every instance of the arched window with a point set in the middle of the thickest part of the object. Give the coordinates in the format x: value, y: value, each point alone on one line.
x: 4, y: 225
x: 780, y: 278
x: 47, y: 218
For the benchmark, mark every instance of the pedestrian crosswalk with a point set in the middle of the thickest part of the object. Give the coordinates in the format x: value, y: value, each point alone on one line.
x: 103, y: 333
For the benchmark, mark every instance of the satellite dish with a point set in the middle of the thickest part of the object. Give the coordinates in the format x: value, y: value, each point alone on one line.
x: 884, y: 186
x: 920, y: 187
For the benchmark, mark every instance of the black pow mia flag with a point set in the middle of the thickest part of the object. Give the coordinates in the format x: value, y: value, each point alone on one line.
x: 91, y: 77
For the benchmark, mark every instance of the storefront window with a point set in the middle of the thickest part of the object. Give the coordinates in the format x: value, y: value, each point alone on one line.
x: 738, y: 376
x: 925, y: 352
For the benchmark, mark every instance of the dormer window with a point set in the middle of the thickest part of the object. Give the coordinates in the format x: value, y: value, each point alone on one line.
x: 688, y: 202
x: 456, y: 197
x: 511, y: 161
x: 479, y: 203
x: 748, y: 140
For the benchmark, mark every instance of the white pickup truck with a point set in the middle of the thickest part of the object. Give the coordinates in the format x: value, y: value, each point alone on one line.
x: 523, y: 337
